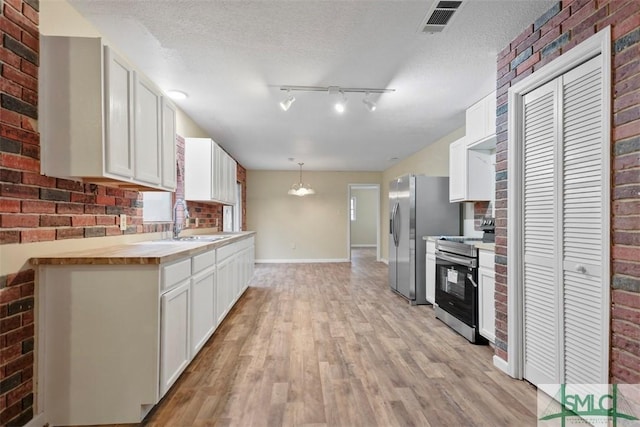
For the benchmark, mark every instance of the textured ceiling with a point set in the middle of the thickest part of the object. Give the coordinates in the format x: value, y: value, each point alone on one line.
x: 231, y: 57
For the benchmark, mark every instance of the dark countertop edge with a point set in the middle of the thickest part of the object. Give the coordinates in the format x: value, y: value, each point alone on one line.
x: 194, y: 247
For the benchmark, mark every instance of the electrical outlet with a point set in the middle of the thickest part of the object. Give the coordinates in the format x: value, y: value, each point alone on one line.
x: 197, y: 222
x: 123, y: 222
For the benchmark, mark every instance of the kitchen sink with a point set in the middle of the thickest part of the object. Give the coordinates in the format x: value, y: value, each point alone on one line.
x: 202, y: 238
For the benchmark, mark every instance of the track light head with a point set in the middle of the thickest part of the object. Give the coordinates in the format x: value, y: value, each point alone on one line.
x: 371, y: 106
x: 340, y: 106
x: 286, y: 104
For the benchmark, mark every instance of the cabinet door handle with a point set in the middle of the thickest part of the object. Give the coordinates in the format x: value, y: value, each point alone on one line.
x: 581, y: 269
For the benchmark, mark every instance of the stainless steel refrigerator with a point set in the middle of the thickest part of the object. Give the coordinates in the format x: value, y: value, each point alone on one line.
x: 418, y: 206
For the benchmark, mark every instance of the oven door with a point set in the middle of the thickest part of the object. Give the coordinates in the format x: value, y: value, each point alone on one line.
x: 456, y: 287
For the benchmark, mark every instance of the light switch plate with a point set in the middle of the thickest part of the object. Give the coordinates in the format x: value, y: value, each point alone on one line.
x: 123, y: 222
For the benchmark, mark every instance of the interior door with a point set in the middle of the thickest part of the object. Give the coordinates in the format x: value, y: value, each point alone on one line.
x: 566, y: 326
x: 541, y: 293
x: 585, y: 316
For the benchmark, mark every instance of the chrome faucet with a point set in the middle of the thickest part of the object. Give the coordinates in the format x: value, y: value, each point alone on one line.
x: 178, y: 225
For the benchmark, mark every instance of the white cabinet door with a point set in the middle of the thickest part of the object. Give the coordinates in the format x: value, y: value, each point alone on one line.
x: 174, y: 335
x: 486, y: 295
x: 147, y: 131
x: 224, y: 294
x: 199, y: 155
x: 232, y: 180
x: 457, y: 170
x: 202, y: 308
x: 475, y: 121
x: 481, y: 121
x: 168, y: 145
x: 471, y: 176
x: 118, y: 82
x: 430, y: 271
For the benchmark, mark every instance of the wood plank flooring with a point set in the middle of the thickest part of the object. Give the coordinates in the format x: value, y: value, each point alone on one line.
x: 331, y: 345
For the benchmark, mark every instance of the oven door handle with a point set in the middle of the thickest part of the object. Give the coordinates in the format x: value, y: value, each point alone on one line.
x: 470, y: 277
x: 467, y: 262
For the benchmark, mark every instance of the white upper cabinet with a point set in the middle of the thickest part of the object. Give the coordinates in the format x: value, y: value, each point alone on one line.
x: 148, y: 136
x: 209, y: 172
x: 169, y: 168
x: 471, y: 173
x: 118, y: 75
x: 471, y: 159
x: 481, y: 123
x: 100, y: 120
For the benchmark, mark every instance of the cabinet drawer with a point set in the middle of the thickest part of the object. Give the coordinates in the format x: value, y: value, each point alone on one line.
x: 175, y: 273
x: 204, y: 260
x: 486, y: 259
x: 226, y: 251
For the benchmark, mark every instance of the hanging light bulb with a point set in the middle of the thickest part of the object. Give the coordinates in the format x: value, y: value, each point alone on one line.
x: 300, y: 188
x: 341, y: 105
x: 286, y: 104
x: 371, y: 106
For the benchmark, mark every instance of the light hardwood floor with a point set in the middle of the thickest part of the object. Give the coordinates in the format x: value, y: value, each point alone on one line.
x: 330, y: 344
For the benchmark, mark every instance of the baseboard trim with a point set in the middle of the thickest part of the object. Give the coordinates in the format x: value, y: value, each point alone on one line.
x: 364, y: 246
x: 384, y: 260
x: 501, y: 364
x: 37, y: 421
x: 300, y: 261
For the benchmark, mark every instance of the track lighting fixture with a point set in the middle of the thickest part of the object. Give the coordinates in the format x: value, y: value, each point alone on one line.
x: 371, y: 106
x: 340, y: 105
x: 286, y: 104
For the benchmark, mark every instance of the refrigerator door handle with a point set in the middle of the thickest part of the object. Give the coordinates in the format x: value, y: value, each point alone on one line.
x: 393, y: 224
x: 396, y: 224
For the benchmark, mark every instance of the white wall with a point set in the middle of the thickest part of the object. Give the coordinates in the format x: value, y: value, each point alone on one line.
x: 432, y: 160
x: 316, y: 225
x: 364, y: 229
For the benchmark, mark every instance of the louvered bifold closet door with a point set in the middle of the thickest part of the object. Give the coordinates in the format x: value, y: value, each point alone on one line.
x: 582, y: 169
x: 540, y: 257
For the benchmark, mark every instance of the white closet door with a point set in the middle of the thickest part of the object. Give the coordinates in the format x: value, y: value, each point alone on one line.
x: 584, y: 316
x: 541, y: 339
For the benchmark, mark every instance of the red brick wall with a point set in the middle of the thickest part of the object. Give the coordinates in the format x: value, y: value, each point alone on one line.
x: 36, y: 208
x: 561, y: 28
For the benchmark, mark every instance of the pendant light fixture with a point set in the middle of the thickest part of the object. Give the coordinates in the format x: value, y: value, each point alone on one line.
x: 300, y: 188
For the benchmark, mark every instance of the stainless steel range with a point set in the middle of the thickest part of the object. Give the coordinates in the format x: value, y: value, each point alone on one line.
x: 456, y: 302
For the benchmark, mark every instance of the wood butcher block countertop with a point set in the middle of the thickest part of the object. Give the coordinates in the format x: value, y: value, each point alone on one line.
x: 145, y: 252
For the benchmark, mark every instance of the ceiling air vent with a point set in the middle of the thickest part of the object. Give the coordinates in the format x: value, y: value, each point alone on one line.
x: 438, y: 18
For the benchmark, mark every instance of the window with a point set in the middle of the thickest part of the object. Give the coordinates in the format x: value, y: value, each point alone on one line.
x: 352, y: 208
x: 156, y: 206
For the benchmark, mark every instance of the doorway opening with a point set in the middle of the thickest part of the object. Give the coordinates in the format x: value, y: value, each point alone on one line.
x: 363, y: 219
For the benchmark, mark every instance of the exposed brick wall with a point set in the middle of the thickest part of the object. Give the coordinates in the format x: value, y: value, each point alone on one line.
x: 16, y: 348
x: 564, y: 26
x: 480, y: 211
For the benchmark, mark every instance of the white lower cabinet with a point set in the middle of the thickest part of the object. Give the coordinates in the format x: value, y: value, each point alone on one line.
x: 174, y: 335
x: 486, y: 295
x: 117, y: 337
x: 203, y: 319
x: 430, y: 272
